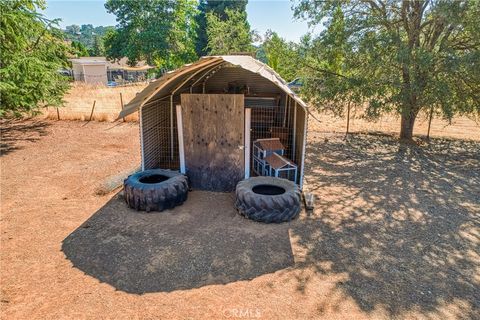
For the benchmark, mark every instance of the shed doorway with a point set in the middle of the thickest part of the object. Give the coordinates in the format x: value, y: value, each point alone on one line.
x: 212, y: 129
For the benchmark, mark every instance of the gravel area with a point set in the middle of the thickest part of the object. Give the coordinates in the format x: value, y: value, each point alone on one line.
x: 394, y: 234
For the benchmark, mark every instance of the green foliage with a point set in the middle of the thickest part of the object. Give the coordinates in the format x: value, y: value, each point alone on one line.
x: 31, y: 53
x: 281, y: 55
x: 219, y: 8
x: 89, y: 36
x: 79, y: 49
x: 98, y: 49
x: 403, y: 56
x: 159, y: 31
x: 229, y: 35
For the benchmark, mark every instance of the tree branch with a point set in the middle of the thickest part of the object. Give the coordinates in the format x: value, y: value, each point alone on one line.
x: 39, y: 37
x: 321, y: 70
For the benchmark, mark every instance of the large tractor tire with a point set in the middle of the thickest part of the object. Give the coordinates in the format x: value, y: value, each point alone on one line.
x: 155, y: 190
x: 268, y: 199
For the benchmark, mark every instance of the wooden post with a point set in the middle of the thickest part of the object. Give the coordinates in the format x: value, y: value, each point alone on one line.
x: 142, y: 149
x: 93, y: 108
x: 285, y: 110
x: 430, y: 122
x: 171, y: 126
x: 181, y: 147
x: 58, y: 114
x: 348, y: 118
x: 248, y: 117
x: 304, y: 145
x: 121, y: 102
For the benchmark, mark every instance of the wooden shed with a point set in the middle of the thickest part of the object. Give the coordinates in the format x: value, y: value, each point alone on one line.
x: 203, y: 118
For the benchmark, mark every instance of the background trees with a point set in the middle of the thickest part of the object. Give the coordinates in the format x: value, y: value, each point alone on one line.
x: 31, y: 53
x: 171, y: 33
x: 402, y: 56
x: 158, y: 31
x: 97, y: 49
x: 284, y: 57
x: 229, y: 35
x: 406, y: 56
x: 90, y: 38
x: 217, y: 7
x: 79, y: 49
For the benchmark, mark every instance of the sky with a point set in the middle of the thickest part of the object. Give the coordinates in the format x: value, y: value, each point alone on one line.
x: 262, y: 14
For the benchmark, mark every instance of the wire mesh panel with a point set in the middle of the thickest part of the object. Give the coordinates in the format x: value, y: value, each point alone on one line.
x: 268, y: 122
x: 160, y: 137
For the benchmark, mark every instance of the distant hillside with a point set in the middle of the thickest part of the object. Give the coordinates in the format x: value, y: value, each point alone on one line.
x: 86, y: 34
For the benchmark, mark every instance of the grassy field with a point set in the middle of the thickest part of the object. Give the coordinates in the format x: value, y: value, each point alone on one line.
x: 459, y: 127
x: 79, y: 101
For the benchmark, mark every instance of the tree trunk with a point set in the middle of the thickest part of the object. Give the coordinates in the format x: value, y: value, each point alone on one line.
x: 348, y: 118
x: 406, y: 129
x: 430, y: 122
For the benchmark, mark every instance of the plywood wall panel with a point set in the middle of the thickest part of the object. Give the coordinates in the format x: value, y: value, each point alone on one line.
x: 213, y: 133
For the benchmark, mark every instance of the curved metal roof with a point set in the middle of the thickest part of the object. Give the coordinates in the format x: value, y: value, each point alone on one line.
x: 174, y: 80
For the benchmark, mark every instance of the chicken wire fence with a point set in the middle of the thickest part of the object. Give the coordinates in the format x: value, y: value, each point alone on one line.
x: 269, y: 122
x: 160, y: 136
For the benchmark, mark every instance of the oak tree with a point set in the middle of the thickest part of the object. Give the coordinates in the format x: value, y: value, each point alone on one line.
x: 406, y: 56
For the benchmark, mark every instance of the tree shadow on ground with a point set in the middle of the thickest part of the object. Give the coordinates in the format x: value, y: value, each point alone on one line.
x: 14, y: 132
x: 202, y: 242
x: 401, y: 221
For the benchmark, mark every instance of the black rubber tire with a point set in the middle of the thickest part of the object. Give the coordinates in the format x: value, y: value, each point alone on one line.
x: 268, y: 208
x: 155, y: 196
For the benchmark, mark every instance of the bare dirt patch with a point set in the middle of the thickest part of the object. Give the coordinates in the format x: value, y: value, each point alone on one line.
x: 394, y: 235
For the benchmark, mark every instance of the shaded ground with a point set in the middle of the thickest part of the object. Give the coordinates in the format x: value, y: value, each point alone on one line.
x: 395, y: 234
x: 188, y: 247
x: 15, y: 132
x: 402, y: 221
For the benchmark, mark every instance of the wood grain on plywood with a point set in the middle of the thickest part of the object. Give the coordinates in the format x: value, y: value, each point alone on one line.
x: 213, y: 140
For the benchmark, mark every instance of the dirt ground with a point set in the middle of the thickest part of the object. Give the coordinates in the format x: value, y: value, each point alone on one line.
x: 395, y: 234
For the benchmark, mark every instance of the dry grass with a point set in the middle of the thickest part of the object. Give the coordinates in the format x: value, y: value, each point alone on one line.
x: 459, y: 128
x: 79, y: 101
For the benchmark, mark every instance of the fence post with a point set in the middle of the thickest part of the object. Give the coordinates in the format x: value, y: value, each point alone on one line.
x: 93, y: 108
x: 121, y: 102
x: 58, y: 114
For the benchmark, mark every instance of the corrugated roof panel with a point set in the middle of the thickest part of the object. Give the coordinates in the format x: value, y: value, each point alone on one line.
x: 172, y: 79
